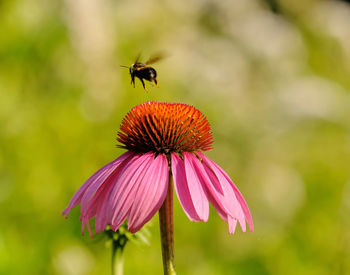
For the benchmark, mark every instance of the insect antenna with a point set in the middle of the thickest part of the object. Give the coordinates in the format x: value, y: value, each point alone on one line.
x: 124, y: 66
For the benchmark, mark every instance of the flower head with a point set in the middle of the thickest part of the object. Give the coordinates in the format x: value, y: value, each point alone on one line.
x: 160, y: 137
x: 165, y: 128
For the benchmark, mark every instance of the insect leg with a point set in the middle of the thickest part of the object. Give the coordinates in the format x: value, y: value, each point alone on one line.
x: 133, y: 81
x: 143, y: 84
x: 156, y: 82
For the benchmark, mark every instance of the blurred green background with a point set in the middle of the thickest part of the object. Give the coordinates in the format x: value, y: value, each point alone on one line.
x: 273, y: 79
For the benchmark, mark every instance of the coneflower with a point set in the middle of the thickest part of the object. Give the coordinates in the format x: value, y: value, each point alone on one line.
x: 164, y: 141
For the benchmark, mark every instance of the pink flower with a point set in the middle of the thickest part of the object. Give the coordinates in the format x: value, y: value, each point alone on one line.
x: 161, y: 139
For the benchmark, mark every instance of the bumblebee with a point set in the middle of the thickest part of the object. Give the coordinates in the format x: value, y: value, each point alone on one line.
x: 143, y: 71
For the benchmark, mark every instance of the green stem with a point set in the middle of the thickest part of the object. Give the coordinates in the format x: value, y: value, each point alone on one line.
x: 117, y: 259
x: 167, y: 231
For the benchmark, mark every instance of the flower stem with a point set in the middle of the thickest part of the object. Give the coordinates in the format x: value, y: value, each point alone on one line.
x: 117, y: 259
x: 167, y: 231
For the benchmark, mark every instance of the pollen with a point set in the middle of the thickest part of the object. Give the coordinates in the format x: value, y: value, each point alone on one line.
x: 165, y: 128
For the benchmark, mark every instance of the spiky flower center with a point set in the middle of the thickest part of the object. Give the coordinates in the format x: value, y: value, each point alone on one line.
x: 164, y: 128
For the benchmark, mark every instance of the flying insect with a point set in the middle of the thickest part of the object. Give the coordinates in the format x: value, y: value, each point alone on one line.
x: 143, y: 71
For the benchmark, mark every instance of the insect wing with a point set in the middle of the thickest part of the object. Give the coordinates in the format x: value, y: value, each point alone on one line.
x: 155, y: 58
x: 137, y: 59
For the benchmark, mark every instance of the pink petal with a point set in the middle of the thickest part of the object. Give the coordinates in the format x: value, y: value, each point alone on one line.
x: 230, y: 200
x: 105, y: 170
x: 220, y: 192
x: 104, y: 190
x: 150, y: 194
x: 85, y: 222
x: 100, y: 203
x: 212, y: 185
x: 223, y: 178
x: 99, y: 197
x: 124, y: 196
x: 181, y: 187
x: 105, y: 178
x: 232, y: 222
x: 197, y: 192
x: 105, y: 211
x: 216, y: 197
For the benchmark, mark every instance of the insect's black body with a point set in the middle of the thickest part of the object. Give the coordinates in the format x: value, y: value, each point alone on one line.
x: 144, y: 71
